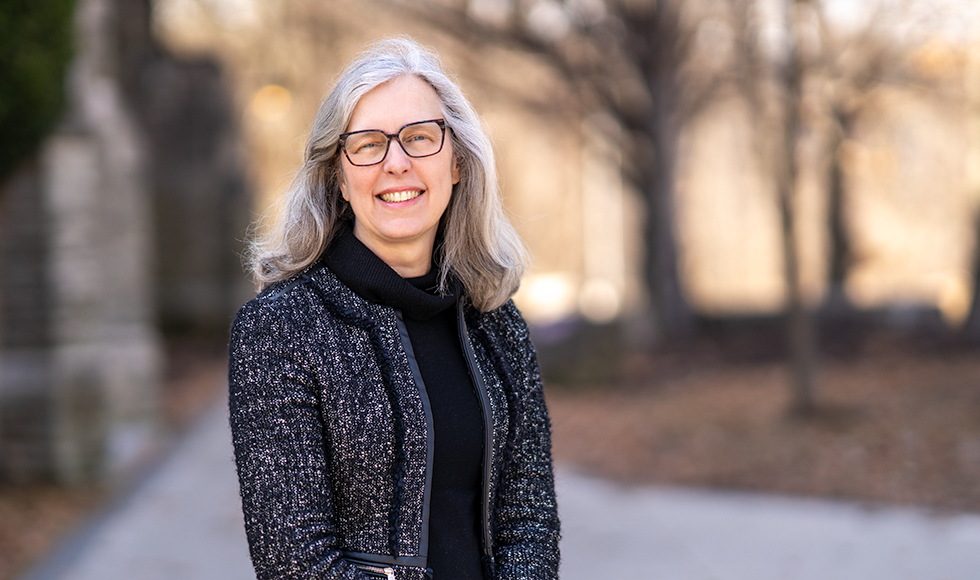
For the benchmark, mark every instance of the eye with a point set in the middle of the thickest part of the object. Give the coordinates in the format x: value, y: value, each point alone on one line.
x: 417, y: 137
x: 364, y: 142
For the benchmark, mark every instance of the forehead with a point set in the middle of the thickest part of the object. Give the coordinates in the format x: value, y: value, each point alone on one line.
x: 389, y: 106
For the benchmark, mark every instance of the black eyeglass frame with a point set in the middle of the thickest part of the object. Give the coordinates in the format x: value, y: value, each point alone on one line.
x: 393, y: 137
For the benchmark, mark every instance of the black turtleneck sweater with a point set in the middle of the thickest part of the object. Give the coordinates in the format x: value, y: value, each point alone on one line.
x: 454, y: 515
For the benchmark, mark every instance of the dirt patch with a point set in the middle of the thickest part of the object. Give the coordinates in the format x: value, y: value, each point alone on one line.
x: 891, y: 426
x: 33, y: 518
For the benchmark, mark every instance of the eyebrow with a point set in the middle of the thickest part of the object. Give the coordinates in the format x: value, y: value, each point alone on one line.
x: 440, y: 119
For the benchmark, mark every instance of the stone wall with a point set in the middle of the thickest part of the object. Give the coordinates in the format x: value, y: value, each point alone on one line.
x: 81, y: 357
x: 199, y: 194
x: 128, y: 219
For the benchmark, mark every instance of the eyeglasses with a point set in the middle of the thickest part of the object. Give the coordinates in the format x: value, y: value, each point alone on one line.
x: 370, y: 147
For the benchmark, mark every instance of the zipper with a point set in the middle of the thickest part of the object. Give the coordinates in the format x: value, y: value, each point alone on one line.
x: 386, y: 572
x: 484, y: 398
x: 429, y: 428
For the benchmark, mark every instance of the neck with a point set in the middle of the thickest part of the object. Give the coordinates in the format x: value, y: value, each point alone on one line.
x: 409, y: 258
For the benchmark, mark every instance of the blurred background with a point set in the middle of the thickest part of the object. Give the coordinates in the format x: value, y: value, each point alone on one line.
x: 754, y: 226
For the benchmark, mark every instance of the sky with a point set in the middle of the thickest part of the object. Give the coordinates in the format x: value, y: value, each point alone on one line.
x: 957, y: 20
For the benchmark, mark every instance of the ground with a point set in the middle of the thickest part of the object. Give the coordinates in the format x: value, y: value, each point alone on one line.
x: 34, y: 518
x: 894, y: 426
x: 898, y: 421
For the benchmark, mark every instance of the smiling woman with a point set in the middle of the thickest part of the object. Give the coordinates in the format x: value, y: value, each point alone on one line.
x: 398, y: 197
x: 386, y: 405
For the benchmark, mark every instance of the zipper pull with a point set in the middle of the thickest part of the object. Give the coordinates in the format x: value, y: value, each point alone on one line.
x: 388, y: 571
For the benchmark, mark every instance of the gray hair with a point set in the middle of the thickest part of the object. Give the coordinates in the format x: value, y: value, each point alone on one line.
x: 479, y: 245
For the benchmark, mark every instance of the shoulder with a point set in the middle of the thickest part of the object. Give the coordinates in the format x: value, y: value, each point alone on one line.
x: 290, y: 306
x: 506, y: 337
x: 275, y: 303
x: 503, y: 323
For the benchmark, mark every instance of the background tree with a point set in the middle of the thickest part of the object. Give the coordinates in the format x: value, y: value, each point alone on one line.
x: 35, y: 49
x: 790, y: 70
x: 768, y: 72
x: 972, y: 326
x: 853, y: 65
x: 821, y: 84
x: 649, y: 64
x: 850, y: 64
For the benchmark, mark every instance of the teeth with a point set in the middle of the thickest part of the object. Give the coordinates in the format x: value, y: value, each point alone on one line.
x: 399, y: 196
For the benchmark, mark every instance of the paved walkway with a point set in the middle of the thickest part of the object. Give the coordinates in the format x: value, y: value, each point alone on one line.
x: 184, y: 523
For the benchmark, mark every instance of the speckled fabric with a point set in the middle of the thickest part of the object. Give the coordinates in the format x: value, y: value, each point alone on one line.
x: 331, y: 438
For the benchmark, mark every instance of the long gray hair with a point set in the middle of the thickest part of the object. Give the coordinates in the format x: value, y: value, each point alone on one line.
x: 479, y: 245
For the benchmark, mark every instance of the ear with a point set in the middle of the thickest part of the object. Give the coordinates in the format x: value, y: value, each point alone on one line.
x: 455, y: 171
x: 343, y: 186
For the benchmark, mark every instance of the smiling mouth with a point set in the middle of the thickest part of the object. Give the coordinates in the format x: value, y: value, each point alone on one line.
x: 397, y: 196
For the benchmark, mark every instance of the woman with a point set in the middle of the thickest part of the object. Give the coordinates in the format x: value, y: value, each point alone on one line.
x: 386, y: 407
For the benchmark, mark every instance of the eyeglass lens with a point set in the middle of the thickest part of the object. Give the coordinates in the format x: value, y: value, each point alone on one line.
x: 417, y: 139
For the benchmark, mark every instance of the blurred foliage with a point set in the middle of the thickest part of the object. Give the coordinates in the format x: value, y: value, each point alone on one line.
x: 35, y: 48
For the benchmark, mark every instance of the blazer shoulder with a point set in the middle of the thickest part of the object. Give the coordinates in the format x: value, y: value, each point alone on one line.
x: 299, y: 282
x: 281, y: 301
x: 506, y: 319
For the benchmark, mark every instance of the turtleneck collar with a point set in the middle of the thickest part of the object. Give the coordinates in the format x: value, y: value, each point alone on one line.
x: 366, y: 274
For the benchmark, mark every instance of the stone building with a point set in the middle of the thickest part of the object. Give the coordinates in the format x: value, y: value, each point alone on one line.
x: 123, y: 224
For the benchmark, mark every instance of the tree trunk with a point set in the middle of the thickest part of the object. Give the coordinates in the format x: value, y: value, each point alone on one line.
x: 840, y: 247
x: 674, y: 315
x: 654, y: 35
x: 971, y: 329
x: 799, y: 321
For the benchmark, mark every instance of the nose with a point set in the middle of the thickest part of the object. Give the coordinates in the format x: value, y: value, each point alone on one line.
x: 397, y: 161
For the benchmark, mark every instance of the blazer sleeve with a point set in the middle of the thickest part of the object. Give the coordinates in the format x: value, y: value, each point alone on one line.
x: 527, y: 528
x: 278, y: 439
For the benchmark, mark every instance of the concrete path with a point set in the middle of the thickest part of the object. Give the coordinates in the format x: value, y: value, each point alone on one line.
x: 674, y: 534
x: 184, y: 523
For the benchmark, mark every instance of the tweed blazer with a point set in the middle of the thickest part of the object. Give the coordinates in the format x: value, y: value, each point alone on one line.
x: 333, y: 437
